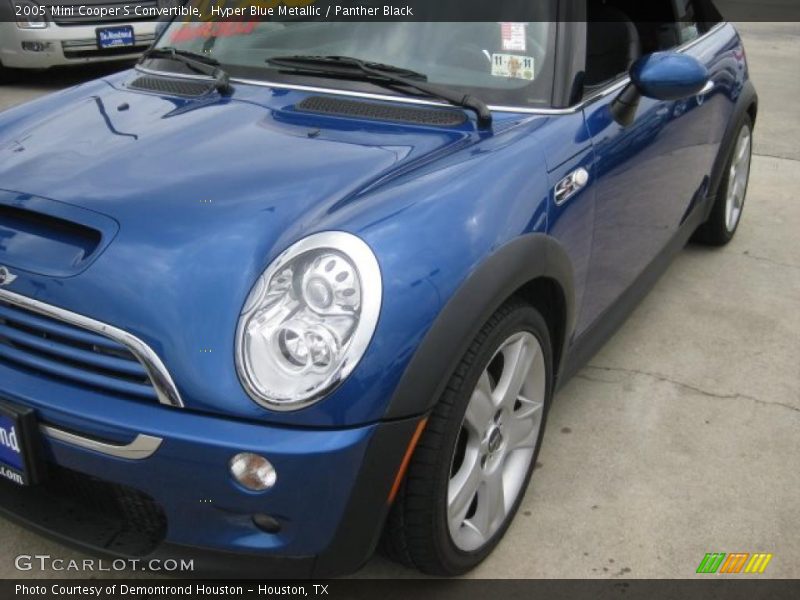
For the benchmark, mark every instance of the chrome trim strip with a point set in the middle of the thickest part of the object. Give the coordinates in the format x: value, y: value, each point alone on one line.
x: 708, y: 88
x: 143, y: 446
x: 174, y: 75
x: 338, y: 92
x: 92, y: 42
x: 162, y: 382
x: 611, y: 88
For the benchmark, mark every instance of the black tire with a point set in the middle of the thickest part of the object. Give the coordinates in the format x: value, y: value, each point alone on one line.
x: 715, y: 231
x: 417, y: 532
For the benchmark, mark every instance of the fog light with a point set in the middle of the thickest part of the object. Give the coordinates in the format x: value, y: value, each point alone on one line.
x: 37, y: 46
x: 254, y: 472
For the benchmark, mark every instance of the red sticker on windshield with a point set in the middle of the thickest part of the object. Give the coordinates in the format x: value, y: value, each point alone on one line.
x: 513, y: 35
x: 194, y: 31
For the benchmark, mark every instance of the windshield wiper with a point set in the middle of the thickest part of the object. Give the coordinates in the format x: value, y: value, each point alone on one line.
x: 348, y: 66
x: 199, y: 63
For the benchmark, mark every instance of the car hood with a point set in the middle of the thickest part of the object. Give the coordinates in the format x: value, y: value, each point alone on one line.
x: 192, y: 199
x: 120, y: 152
x: 248, y: 173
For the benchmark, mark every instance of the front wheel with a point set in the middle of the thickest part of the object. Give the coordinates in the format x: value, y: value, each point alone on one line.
x: 472, y: 466
x: 729, y: 204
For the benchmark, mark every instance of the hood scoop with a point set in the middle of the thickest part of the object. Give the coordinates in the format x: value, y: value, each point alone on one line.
x: 174, y: 87
x: 50, y: 238
x: 375, y: 111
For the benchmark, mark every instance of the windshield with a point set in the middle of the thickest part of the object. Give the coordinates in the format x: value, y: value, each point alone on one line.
x: 507, y: 64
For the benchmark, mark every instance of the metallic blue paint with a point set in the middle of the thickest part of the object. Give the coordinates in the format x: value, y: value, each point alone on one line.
x: 669, y: 75
x: 194, y: 199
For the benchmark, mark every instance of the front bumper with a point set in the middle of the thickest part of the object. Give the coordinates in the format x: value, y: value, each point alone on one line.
x: 72, y: 45
x: 330, y: 497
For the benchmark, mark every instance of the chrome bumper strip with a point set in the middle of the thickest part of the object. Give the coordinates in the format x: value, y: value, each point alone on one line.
x: 143, y: 446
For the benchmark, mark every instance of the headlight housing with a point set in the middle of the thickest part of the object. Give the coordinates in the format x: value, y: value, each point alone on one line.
x: 32, y: 16
x: 308, y: 320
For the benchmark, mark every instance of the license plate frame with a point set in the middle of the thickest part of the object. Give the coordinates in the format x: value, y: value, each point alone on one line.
x: 20, y: 445
x: 106, y: 43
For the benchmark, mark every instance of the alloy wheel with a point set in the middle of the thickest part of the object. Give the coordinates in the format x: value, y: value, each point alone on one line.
x: 497, y: 442
x: 738, y: 177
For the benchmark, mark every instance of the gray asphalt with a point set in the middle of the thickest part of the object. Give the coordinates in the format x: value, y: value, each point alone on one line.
x: 681, y: 437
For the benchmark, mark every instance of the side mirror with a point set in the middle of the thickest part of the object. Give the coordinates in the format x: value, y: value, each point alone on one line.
x: 662, y: 76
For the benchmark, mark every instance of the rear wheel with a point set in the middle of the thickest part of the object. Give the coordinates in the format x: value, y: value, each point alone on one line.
x: 729, y: 204
x: 472, y: 466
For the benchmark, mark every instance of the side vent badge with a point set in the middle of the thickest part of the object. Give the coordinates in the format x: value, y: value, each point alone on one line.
x: 571, y: 185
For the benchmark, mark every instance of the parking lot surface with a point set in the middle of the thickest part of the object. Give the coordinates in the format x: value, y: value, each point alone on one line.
x: 681, y: 436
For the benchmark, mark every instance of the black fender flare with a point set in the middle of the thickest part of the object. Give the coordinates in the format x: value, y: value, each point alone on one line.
x: 498, y: 278
x: 748, y: 98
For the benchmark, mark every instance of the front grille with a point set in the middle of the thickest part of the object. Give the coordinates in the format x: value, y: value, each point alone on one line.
x: 90, y: 511
x: 68, y: 14
x: 87, y: 48
x: 68, y: 353
x: 122, y: 51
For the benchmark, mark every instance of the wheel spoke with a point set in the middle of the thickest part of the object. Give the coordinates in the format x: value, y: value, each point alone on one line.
x: 741, y: 182
x: 737, y: 179
x: 743, y: 150
x: 528, y: 408
x: 491, y: 504
x: 485, y: 384
x: 518, y: 361
x: 463, y: 487
x: 733, y: 218
x: 522, y: 430
x: 480, y: 412
x: 736, y: 193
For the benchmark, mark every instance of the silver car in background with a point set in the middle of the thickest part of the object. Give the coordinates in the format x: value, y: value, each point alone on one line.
x: 34, y: 35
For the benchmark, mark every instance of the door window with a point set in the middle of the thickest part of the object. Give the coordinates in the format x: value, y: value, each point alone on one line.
x: 687, y: 25
x: 621, y: 31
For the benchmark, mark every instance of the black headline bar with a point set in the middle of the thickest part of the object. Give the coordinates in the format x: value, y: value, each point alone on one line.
x: 377, y: 10
x: 713, y: 588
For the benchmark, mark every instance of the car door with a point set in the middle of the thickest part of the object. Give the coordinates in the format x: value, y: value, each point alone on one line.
x: 648, y: 174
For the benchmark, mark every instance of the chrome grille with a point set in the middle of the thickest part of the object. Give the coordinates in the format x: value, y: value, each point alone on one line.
x: 88, y: 48
x: 66, y: 19
x: 36, y: 340
x: 144, y: 39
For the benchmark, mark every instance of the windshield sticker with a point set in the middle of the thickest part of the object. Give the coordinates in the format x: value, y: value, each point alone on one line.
x: 514, y: 38
x: 515, y: 67
x: 203, y: 31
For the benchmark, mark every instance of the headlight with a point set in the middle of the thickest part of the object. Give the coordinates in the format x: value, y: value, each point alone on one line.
x: 308, y: 320
x: 29, y: 15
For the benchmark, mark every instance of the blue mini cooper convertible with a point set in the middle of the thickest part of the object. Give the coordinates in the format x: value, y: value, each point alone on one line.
x: 286, y: 292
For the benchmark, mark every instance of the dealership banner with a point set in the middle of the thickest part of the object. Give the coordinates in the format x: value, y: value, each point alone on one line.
x: 62, y: 11
x: 388, y: 589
